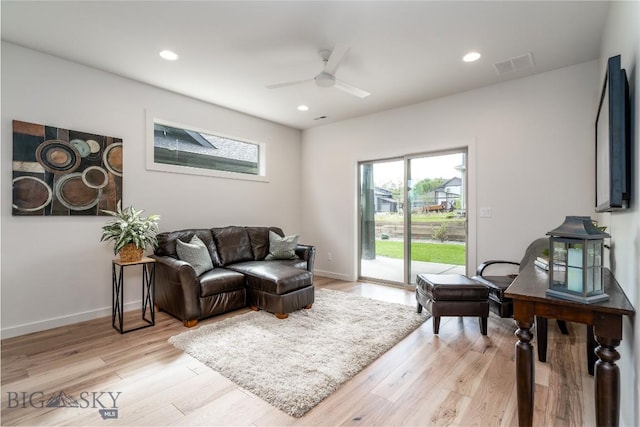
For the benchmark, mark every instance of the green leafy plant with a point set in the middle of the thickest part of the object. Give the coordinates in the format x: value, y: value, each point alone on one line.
x: 127, y: 226
x: 602, y: 228
x: 441, y: 233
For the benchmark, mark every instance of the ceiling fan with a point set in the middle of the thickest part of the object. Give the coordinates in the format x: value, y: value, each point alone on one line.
x: 327, y: 77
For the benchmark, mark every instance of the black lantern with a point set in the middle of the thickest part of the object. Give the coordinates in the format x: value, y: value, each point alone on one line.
x: 575, y: 261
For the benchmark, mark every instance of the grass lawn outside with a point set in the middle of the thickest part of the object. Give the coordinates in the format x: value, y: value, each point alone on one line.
x: 444, y: 253
x: 430, y: 217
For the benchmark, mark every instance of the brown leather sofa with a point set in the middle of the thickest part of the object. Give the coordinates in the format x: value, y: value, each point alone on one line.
x: 241, y: 275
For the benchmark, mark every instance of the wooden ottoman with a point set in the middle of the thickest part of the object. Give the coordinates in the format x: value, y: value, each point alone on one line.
x: 452, y: 295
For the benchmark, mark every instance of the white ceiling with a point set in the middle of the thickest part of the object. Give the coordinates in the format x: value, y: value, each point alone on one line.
x: 401, y: 52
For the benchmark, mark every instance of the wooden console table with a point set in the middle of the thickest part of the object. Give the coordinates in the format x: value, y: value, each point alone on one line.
x: 530, y: 300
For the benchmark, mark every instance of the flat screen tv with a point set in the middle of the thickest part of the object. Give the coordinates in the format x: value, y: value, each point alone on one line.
x: 613, y: 157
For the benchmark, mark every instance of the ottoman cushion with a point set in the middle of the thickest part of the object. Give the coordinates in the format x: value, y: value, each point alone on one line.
x: 273, y: 278
x: 452, y: 287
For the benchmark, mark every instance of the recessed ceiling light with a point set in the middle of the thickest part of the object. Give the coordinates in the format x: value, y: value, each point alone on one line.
x: 168, y: 55
x: 303, y: 108
x: 471, y: 57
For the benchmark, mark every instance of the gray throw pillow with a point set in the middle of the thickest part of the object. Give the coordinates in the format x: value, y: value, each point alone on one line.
x: 282, y: 247
x: 195, y: 253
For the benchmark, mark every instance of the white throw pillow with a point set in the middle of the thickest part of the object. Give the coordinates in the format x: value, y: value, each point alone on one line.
x: 195, y: 253
x: 282, y: 247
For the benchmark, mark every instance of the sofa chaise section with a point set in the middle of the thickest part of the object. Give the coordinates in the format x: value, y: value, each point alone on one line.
x: 276, y: 287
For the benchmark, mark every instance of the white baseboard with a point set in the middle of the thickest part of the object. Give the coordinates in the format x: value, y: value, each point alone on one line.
x: 332, y: 275
x: 42, y: 325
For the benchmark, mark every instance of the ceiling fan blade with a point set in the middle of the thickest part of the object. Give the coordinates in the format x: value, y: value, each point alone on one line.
x: 285, y: 84
x: 337, y: 55
x: 351, y: 89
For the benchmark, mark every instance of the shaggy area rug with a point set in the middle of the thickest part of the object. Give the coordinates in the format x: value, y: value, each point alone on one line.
x: 295, y: 363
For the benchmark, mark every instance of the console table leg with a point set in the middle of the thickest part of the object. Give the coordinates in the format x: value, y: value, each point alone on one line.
x: 607, y: 382
x: 541, y: 337
x: 591, y: 350
x: 524, y: 373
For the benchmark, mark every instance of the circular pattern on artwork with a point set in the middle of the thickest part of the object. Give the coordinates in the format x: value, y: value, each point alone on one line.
x: 95, y: 149
x: 95, y: 177
x: 82, y: 147
x: 94, y: 146
x: 74, y: 194
x: 30, y: 193
x: 112, y: 158
x: 58, y: 156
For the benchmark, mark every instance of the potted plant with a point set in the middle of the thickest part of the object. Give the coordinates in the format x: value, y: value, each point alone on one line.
x: 130, y: 232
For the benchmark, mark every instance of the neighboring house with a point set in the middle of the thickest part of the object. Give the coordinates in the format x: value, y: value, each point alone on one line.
x: 444, y: 196
x: 448, y: 192
x: 385, y: 201
x: 183, y: 147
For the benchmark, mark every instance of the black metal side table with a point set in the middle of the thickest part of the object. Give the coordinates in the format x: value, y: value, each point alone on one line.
x: 148, y: 293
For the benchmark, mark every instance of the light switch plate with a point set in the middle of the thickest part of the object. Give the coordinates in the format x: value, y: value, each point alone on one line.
x: 485, y: 212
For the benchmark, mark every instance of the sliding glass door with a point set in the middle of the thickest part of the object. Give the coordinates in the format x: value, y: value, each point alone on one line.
x: 382, y: 220
x: 437, y: 220
x: 412, y: 217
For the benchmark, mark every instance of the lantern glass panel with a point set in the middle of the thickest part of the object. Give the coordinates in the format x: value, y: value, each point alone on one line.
x: 594, y: 281
x: 594, y: 265
x: 594, y: 253
x: 559, y: 263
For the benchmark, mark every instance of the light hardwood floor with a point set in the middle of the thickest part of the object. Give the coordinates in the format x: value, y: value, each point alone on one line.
x: 458, y: 377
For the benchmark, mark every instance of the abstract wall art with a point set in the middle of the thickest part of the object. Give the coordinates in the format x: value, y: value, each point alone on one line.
x: 64, y: 172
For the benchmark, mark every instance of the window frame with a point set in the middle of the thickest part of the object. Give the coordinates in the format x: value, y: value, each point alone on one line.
x: 151, y: 164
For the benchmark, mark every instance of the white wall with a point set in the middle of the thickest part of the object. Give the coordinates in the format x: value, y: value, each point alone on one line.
x: 531, y: 161
x: 622, y: 37
x: 54, y: 270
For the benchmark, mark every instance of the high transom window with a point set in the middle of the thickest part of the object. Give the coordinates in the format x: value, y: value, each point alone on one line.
x: 180, y: 149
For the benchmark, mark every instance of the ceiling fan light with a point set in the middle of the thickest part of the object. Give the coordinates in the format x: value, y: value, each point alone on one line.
x: 325, y: 80
x: 471, y: 57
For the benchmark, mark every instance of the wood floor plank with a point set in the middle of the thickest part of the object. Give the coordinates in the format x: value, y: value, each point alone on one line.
x: 468, y: 373
x: 511, y: 409
x: 458, y: 377
x: 451, y: 410
x: 487, y: 407
x: 426, y: 405
x: 406, y: 375
x: 564, y: 357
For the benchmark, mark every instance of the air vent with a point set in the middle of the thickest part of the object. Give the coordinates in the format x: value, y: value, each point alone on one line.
x: 516, y: 63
